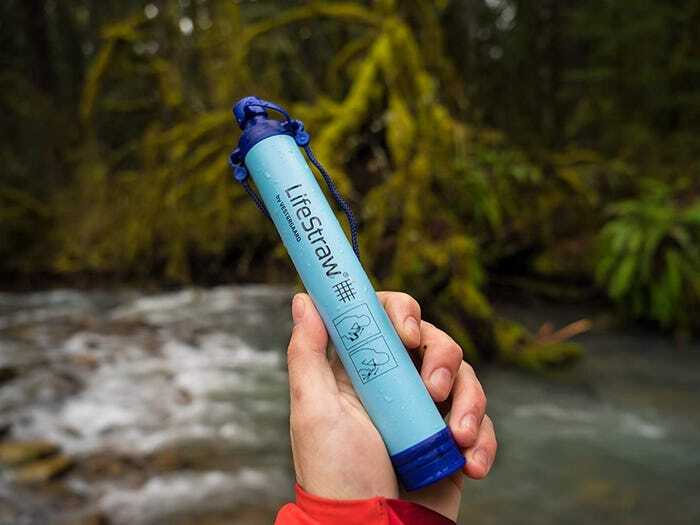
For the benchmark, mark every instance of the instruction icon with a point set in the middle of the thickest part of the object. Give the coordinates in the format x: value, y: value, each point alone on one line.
x: 356, y: 326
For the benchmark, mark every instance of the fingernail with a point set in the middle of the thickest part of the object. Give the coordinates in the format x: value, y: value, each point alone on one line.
x: 468, y: 422
x: 298, y: 307
x: 440, y: 380
x: 481, y: 458
x: 411, y: 327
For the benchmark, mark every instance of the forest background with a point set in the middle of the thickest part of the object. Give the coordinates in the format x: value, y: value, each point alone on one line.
x: 487, y: 146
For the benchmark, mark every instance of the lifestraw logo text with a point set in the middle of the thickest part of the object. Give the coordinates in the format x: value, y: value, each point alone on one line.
x: 312, y: 226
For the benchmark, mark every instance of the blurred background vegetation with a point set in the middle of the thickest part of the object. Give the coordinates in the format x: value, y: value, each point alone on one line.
x: 549, y: 146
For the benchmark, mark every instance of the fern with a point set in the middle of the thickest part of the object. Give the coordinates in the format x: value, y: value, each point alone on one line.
x: 649, y: 258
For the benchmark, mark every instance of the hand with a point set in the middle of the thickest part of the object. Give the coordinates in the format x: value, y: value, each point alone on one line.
x: 338, y: 453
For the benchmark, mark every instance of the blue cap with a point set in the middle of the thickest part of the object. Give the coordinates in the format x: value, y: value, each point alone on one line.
x: 431, y: 460
x: 251, y: 116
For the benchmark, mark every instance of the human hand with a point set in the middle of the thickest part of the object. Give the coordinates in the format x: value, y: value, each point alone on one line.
x: 338, y: 453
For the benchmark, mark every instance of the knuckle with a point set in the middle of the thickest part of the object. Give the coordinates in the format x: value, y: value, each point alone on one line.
x: 445, y: 341
x: 493, y: 427
x: 479, y: 391
x: 480, y: 403
x: 491, y: 439
x: 467, y: 369
x: 482, y: 396
x: 402, y: 299
x: 428, y: 328
x: 454, y: 351
x: 413, y: 304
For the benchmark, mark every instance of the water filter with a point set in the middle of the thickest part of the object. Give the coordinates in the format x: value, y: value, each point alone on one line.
x: 420, y: 445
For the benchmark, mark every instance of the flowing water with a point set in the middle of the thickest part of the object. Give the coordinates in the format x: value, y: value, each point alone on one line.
x: 173, y: 409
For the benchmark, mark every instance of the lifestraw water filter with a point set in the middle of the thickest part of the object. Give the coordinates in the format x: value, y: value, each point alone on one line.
x: 421, y: 446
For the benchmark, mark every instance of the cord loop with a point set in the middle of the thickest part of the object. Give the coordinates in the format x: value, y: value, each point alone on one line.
x: 251, y: 107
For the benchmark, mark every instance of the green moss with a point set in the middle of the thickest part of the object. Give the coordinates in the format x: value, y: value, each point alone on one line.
x: 517, y: 346
x: 430, y: 192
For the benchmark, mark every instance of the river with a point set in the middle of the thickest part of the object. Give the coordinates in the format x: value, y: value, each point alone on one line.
x: 172, y: 408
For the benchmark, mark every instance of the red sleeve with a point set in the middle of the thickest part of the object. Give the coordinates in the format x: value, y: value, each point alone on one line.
x: 314, y: 510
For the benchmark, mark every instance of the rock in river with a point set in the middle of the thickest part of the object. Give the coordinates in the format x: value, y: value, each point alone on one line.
x: 18, y: 452
x: 43, y: 470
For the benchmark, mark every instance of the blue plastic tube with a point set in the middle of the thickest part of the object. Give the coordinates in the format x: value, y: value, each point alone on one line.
x: 421, y: 447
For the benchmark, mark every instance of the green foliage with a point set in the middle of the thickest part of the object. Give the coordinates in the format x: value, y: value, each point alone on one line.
x: 163, y: 201
x: 179, y: 206
x: 650, y: 257
x: 476, y: 140
x: 29, y: 167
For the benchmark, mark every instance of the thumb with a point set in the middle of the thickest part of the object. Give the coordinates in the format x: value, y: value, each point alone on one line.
x: 311, y: 379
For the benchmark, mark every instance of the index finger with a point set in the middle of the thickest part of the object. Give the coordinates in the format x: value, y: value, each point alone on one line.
x: 404, y: 313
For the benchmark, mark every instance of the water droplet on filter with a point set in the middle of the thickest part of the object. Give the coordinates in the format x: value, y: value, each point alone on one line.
x: 387, y: 398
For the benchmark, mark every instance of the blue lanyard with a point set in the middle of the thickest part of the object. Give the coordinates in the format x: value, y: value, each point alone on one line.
x: 253, y: 106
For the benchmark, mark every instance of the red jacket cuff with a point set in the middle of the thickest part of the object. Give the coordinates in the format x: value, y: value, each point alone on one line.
x: 315, y: 510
